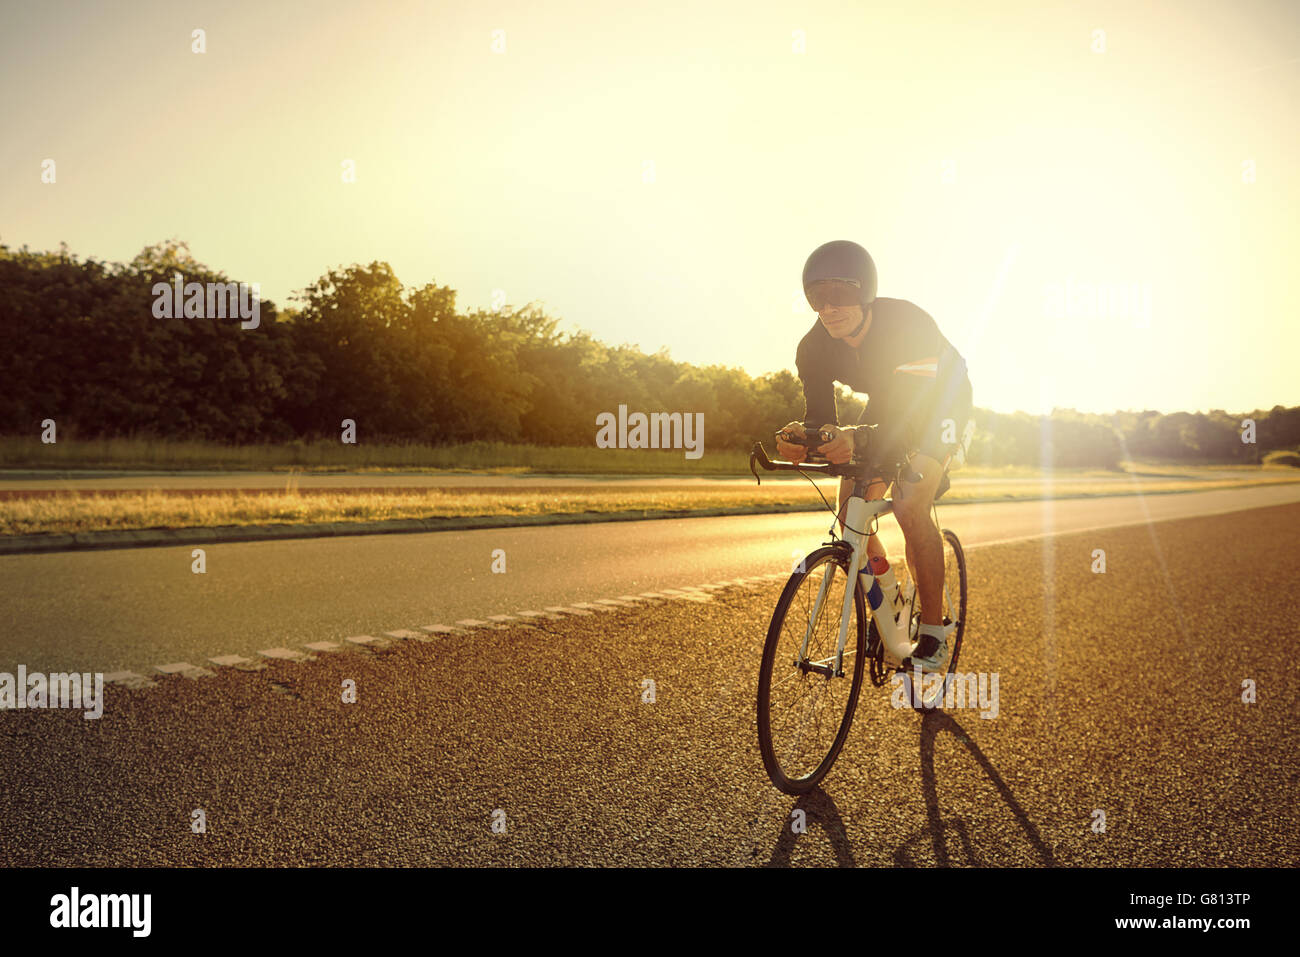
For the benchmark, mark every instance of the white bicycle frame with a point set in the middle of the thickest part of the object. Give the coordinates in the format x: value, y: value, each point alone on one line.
x: 895, y: 635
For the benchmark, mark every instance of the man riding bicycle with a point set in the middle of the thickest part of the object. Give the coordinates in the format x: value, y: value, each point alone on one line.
x: 919, y: 407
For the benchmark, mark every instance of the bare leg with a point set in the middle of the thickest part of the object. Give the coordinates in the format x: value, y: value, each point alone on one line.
x: 924, y: 543
x: 925, y: 555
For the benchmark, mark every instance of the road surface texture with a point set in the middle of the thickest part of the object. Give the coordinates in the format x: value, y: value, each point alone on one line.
x: 1120, y: 694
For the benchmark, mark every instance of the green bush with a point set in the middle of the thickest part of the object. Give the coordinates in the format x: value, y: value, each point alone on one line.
x: 1283, y: 457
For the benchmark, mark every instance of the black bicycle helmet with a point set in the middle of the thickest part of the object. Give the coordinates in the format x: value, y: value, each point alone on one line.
x: 843, y: 260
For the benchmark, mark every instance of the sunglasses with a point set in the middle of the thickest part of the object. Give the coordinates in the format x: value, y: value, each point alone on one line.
x: 833, y: 292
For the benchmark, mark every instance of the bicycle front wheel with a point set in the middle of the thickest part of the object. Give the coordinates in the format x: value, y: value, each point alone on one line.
x: 805, y: 700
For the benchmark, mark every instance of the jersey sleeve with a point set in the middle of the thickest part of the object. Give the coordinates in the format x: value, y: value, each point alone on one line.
x: 920, y: 347
x: 818, y: 386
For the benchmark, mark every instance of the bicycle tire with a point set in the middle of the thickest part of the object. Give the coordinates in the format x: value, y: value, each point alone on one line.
x: 840, y: 555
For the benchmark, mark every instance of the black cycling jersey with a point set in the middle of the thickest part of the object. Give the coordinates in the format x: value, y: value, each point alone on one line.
x: 911, y: 374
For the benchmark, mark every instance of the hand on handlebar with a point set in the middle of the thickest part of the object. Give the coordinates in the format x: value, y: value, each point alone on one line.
x: 795, y: 441
x: 788, y: 450
x: 838, y: 450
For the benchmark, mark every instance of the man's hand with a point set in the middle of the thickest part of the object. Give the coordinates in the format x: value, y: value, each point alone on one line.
x: 839, y: 449
x: 787, y: 451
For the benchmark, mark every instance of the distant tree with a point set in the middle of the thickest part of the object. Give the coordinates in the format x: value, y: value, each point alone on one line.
x: 84, y: 347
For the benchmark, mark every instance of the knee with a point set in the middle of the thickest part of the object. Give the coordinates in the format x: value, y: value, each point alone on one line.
x: 911, y: 514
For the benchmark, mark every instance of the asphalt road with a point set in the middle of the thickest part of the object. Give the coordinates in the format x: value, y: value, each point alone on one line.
x: 136, y: 609
x: 1120, y: 693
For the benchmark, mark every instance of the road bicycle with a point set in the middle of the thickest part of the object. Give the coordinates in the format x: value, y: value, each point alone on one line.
x: 814, y: 659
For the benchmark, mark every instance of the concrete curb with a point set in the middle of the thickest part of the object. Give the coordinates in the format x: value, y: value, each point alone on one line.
x: 177, y: 537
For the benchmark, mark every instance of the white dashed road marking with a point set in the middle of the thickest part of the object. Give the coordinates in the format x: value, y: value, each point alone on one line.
x: 128, y: 679
x: 237, y: 661
x: 693, y: 593
x: 284, y: 654
x: 186, y: 669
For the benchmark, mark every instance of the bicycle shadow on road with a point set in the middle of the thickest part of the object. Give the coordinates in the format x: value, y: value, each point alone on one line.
x: 820, y: 809
x: 931, y: 725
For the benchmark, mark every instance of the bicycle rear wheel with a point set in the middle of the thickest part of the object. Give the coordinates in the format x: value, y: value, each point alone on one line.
x: 805, y: 709
x: 932, y: 692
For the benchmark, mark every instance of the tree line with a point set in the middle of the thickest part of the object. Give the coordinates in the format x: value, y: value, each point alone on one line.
x: 83, y: 346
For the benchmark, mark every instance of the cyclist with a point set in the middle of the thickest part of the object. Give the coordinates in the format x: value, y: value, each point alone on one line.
x: 919, y: 405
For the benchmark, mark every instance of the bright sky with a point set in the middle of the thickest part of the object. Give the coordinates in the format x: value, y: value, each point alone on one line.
x: 997, y: 159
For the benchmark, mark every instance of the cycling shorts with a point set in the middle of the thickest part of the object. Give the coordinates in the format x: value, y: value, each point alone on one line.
x: 947, y: 429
